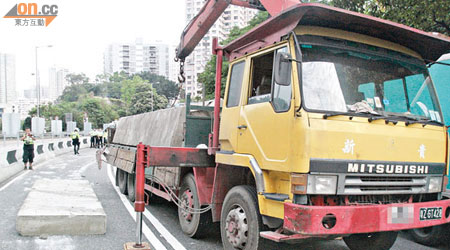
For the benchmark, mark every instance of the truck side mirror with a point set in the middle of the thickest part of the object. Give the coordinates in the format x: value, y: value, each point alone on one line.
x: 283, y: 68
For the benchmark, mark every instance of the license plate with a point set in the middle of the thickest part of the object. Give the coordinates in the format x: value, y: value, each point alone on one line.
x: 430, y: 213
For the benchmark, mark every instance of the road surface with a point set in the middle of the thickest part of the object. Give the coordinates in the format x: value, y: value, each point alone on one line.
x: 160, y: 227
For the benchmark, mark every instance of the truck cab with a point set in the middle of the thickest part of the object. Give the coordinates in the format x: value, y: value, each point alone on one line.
x: 335, y: 125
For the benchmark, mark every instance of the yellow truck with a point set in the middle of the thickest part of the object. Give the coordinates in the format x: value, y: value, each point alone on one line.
x: 330, y: 127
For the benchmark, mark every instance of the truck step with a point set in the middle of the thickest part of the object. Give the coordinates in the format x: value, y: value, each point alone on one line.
x: 279, y: 237
x: 276, y: 197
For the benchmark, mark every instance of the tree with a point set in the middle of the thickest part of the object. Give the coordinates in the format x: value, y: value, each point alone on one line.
x: 146, y: 99
x: 162, y: 85
x: 128, y: 88
x: 113, y: 90
x: 73, y: 92
x: 427, y: 15
x: 102, y: 78
x: 119, y: 77
x: 96, y: 89
x: 49, y: 111
x: 74, y: 78
x: 208, y: 76
x: 99, y: 112
x: 27, y: 123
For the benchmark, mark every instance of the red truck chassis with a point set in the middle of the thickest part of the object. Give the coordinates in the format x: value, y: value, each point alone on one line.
x: 300, y: 221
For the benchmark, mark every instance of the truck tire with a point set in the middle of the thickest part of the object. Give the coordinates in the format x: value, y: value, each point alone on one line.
x: 131, y: 187
x: 195, y: 225
x: 240, y: 221
x: 430, y: 236
x: 371, y: 241
x: 117, y: 177
x: 123, y: 178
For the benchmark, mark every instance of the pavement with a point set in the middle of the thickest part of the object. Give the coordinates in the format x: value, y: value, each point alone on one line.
x: 160, y: 220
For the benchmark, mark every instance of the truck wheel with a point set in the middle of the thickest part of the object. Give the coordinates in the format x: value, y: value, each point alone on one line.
x: 430, y: 236
x: 123, y: 176
x: 131, y: 187
x: 371, y: 241
x: 240, y: 222
x: 117, y: 177
x: 195, y: 225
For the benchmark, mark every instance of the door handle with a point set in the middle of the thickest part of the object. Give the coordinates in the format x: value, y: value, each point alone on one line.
x: 242, y: 127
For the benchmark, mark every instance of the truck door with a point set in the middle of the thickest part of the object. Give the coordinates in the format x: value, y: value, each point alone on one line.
x: 267, y: 114
x: 230, y: 109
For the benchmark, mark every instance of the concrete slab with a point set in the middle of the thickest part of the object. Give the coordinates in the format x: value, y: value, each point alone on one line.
x: 163, y: 127
x: 61, y: 207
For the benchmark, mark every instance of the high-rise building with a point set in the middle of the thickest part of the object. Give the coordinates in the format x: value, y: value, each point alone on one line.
x: 196, y: 62
x: 137, y: 57
x: 57, y: 82
x: 7, y: 78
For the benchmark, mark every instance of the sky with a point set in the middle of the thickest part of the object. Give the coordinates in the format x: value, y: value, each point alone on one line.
x: 81, y: 32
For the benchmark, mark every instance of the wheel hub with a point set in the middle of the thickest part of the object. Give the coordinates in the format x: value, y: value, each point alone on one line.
x: 236, y: 227
x: 187, y: 202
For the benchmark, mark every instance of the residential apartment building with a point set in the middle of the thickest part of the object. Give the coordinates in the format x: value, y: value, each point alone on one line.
x: 136, y: 57
x: 57, y: 83
x: 7, y: 79
x: 196, y: 62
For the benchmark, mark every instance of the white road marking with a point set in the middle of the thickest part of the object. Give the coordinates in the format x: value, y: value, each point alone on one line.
x: 13, y: 180
x: 85, y: 167
x: 163, y: 231
x: 147, y: 232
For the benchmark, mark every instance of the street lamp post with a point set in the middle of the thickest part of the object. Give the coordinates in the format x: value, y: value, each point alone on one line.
x: 38, y: 84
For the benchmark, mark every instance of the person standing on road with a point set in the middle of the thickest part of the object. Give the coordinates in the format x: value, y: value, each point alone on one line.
x: 92, y: 134
x: 100, y: 138
x: 28, y: 148
x: 105, y: 136
x: 97, y: 138
x: 75, y: 141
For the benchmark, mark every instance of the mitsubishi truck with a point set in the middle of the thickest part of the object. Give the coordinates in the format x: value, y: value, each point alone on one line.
x: 330, y: 127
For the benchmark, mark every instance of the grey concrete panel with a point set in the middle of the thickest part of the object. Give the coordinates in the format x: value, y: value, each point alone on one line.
x: 158, y: 128
x: 61, y: 207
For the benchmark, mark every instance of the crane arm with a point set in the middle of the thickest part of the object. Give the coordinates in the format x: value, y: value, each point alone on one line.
x: 211, y: 11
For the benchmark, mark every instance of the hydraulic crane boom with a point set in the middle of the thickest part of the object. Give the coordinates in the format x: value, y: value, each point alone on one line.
x: 212, y: 10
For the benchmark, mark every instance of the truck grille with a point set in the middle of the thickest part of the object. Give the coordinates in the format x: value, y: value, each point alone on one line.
x: 385, y: 184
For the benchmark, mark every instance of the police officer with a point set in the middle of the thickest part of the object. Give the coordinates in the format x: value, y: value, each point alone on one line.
x: 105, y: 137
x: 92, y: 134
x: 28, y: 148
x: 75, y: 141
x: 100, y: 138
x: 97, y: 138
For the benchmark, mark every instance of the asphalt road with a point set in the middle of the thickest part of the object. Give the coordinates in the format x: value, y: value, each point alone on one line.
x: 160, y: 227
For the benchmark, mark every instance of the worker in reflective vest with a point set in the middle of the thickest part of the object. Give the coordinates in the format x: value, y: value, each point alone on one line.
x: 75, y: 141
x: 105, y: 136
x: 28, y: 149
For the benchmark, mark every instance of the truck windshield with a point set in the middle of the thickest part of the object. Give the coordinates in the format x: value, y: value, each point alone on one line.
x: 349, y: 81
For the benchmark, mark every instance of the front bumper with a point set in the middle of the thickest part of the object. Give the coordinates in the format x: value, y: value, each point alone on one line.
x: 308, y: 220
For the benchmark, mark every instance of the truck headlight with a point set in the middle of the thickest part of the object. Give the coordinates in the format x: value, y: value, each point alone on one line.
x: 435, y: 185
x: 322, y: 184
